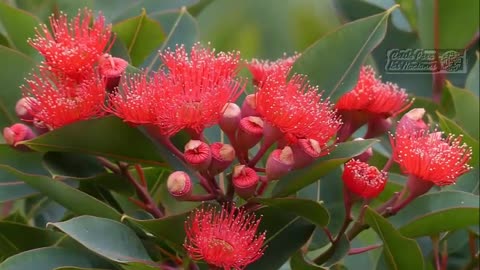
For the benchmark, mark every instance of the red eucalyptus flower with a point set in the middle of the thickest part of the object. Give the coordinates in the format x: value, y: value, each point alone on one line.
x: 73, y: 47
x: 363, y: 180
x: 225, y: 239
x: 373, y: 96
x: 296, y: 109
x: 261, y: 69
x: 56, y: 102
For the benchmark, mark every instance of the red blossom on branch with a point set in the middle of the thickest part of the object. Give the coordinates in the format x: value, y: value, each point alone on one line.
x: 226, y: 239
x: 261, y: 69
x: 363, y: 180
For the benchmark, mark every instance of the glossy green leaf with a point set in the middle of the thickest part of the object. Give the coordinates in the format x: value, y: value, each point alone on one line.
x: 286, y: 233
x: 122, y: 244
x: 438, y: 212
x: 16, y: 238
x: 401, y: 253
x: 162, y: 228
x: 141, y: 35
x: 65, y: 195
x: 451, y: 35
x: 298, y: 179
x: 450, y: 127
x: 19, y: 26
x: 108, y: 137
x: 472, y: 82
x: 312, y: 211
x: 299, y: 262
x: 351, y: 44
x: 467, y: 111
x: 76, y: 268
x: 335, y: 254
x: 49, y: 258
x: 12, y: 76
x: 72, y: 165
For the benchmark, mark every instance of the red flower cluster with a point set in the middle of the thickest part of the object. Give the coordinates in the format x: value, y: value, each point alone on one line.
x: 226, y: 239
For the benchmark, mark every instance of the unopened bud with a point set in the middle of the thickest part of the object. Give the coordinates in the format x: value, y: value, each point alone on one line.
x: 18, y: 133
x: 230, y: 118
x: 250, y: 132
x: 365, y: 156
x: 279, y: 163
x: 111, y: 68
x: 179, y: 185
x: 222, y: 156
x: 40, y: 126
x: 305, y: 151
x: 249, y: 106
x: 412, y: 121
x: 245, y: 180
x: 23, y: 108
x: 198, y: 155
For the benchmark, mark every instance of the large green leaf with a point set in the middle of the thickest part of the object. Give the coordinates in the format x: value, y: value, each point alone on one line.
x: 108, y: 137
x: 49, y: 258
x: 19, y: 26
x: 472, y: 82
x: 110, y: 239
x: 141, y: 35
x: 299, y: 262
x: 466, y: 109
x: 438, y: 212
x: 401, y: 253
x: 299, y: 179
x: 16, y: 238
x: 311, y: 210
x: 450, y: 127
x: 351, y: 44
x: 72, y: 165
x: 12, y: 76
x: 67, y: 196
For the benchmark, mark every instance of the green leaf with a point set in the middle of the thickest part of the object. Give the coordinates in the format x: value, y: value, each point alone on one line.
x: 351, y: 43
x: 299, y: 179
x: 450, y: 127
x: 311, y: 210
x: 76, y: 268
x: 333, y: 255
x: 16, y: 238
x: 299, y: 262
x: 65, y: 195
x: 118, y: 242
x: 12, y: 76
x: 19, y: 26
x: 168, y: 229
x: 472, y: 82
x: 286, y: 233
x: 401, y: 253
x: 438, y: 212
x: 49, y: 258
x: 466, y: 109
x: 451, y: 35
x: 141, y: 35
x: 108, y: 137
x: 72, y: 165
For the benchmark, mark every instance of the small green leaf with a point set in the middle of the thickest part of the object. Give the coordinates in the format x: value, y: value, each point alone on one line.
x: 122, y: 244
x: 141, y: 35
x: 19, y: 26
x: 108, y: 137
x: 76, y: 268
x: 472, y: 82
x: 351, y: 43
x: 65, y: 195
x: 49, y: 258
x: 466, y: 109
x: 299, y: 179
x: 311, y: 210
x: 438, y: 212
x: 299, y: 262
x: 333, y: 255
x: 401, y: 253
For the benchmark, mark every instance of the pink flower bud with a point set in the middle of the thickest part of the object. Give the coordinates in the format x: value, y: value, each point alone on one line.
x: 179, y: 185
x: 365, y: 156
x: 111, y: 68
x: 250, y: 132
x: 279, y: 163
x: 40, y: 126
x: 412, y: 122
x: 245, y: 181
x: 271, y: 134
x: 230, y: 118
x: 249, y: 106
x: 23, y: 108
x: 198, y: 155
x: 305, y: 151
x: 222, y: 156
x: 18, y: 133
